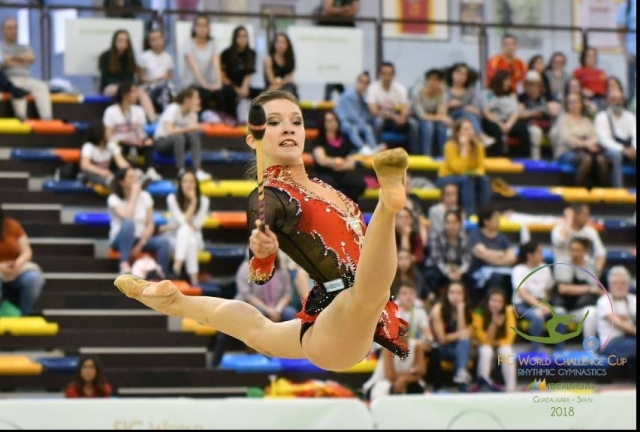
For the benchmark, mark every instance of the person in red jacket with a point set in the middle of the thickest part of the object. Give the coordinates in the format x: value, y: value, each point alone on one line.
x: 89, y: 382
x: 593, y: 80
x: 507, y: 61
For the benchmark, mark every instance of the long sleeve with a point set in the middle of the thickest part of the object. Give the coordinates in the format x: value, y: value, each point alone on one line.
x: 510, y: 318
x: 478, y: 329
x: 605, y: 135
x: 417, y: 106
x: 465, y: 251
x: 203, y: 211
x: 103, y: 67
x: 174, y: 209
x: 349, y: 108
x: 480, y: 155
x: 453, y: 162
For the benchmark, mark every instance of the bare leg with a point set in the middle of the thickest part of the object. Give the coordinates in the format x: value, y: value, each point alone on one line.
x: 343, y: 333
x: 235, y: 318
x: 584, y: 167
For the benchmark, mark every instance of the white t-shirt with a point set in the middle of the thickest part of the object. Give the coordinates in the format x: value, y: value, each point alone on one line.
x: 143, y: 203
x: 173, y: 115
x: 417, y: 319
x: 538, y: 284
x: 177, y: 215
x: 100, y: 156
x: 623, y: 307
x: 126, y: 128
x: 155, y: 66
x: 387, y: 100
x: 561, y: 245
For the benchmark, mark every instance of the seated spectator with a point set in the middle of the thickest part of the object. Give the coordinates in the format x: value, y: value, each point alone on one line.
x: 592, y: 79
x: 575, y: 87
x: 189, y: 209
x: 557, y: 76
x: 492, y: 324
x: 507, y: 61
x: 532, y: 281
x: 452, y: 327
x: 449, y: 200
x: 21, y: 279
x: 492, y: 256
x: 536, y: 111
x: 389, y: 105
x: 132, y: 225
x: 90, y: 381
x: 124, y: 124
x: 408, y: 272
x: 622, y: 335
x: 429, y: 108
x: 7, y: 86
x: 536, y: 64
x: 616, y: 129
x: 99, y: 159
x: 500, y: 115
x: 178, y: 130
x: 408, y: 238
x: 577, y: 290
x: 355, y: 117
x: 238, y: 64
x: 335, y: 162
x: 17, y: 60
x: 273, y: 298
x: 577, y: 223
x: 449, y: 255
x: 339, y: 13
x: 575, y: 142
x: 279, y: 65
x: 156, y: 72
x: 117, y: 66
x: 463, y: 165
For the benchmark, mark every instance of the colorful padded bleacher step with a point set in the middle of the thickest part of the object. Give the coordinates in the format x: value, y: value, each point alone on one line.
x: 226, y: 252
x: 68, y: 186
x: 502, y: 166
x: 14, y: 126
x: 51, y: 127
x: 27, y: 326
x: 537, y: 194
x: 19, y: 365
x: 104, y: 219
x: 59, y: 364
x: 204, y: 257
x: 299, y: 365
x: 614, y: 195
x: 367, y: 365
x: 97, y: 99
x: 67, y: 98
x: 256, y: 363
x: 539, y: 166
x: 193, y: 326
x: 162, y: 187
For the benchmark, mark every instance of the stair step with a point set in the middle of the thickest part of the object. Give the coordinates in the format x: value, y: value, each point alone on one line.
x: 63, y: 249
x: 57, y: 229
x: 89, y: 264
x: 113, y: 299
x: 149, y: 357
x: 106, y: 319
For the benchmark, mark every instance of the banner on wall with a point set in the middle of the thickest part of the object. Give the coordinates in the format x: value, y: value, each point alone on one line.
x: 436, y: 10
x: 87, y: 38
x: 521, y: 12
x: 597, y: 13
x: 471, y: 11
x: 322, y: 56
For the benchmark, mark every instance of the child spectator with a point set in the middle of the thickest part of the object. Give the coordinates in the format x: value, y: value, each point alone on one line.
x: 90, y: 381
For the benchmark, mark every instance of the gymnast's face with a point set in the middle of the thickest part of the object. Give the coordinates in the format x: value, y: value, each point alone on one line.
x: 283, y: 141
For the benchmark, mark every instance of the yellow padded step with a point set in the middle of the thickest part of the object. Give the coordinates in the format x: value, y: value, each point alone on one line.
x: 572, y: 194
x: 365, y: 366
x: 614, y: 195
x: 193, y: 326
x: 27, y: 326
x: 505, y: 224
x: 19, y: 365
x: 13, y: 126
x: 223, y: 188
x: 423, y: 194
x: 66, y: 98
x: 502, y: 166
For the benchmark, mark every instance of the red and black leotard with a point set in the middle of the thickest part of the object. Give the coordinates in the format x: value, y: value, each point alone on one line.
x: 325, y: 241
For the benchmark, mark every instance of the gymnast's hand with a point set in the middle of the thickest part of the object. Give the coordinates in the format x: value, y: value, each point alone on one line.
x: 263, y: 244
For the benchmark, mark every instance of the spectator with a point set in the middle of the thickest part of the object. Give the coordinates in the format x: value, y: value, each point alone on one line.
x: 340, y: 13
x: 536, y: 64
x: 430, y: 110
x: 355, y: 117
x: 621, y: 336
x: 536, y: 112
x: 616, y: 129
x: 178, y: 131
x: 335, y: 163
x: 238, y: 64
x: 389, y: 106
x: 577, y: 223
x: 593, y: 80
x: 626, y: 20
x: 557, y: 76
x: 122, y: 8
x: 449, y: 254
x: 613, y: 83
x: 500, y: 114
x: 280, y: 64
x: 575, y: 142
x: 532, y: 282
x: 463, y: 165
x: 124, y: 124
x: 17, y: 60
x: 508, y: 62
x: 99, y: 158
x: 132, y: 225
x: 492, y: 256
x: 574, y: 86
x: 449, y: 200
x: 7, y: 86
x: 492, y: 324
x: 452, y: 328
x: 21, y: 279
x: 90, y: 381
x: 408, y: 272
x: 408, y: 238
x: 156, y: 72
x: 272, y: 298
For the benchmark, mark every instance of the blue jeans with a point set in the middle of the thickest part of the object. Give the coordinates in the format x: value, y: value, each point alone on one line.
x: 459, y: 113
x: 24, y: 290
x: 459, y: 352
x: 623, y: 347
x: 410, y: 129
x: 158, y: 245
x: 360, y: 134
x: 427, y: 130
x: 536, y: 323
x: 474, y: 190
x: 287, y: 314
x: 615, y: 159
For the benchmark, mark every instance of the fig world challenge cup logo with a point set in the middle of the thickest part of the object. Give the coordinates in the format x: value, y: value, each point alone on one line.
x: 590, y: 343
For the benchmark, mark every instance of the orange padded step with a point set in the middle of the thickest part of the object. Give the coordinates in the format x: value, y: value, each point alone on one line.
x: 231, y: 219
x: 68, y: 155
x: 187, y: 289
x: 6, y: 97
x: 224, y: 131
x: 308, y: 160
x: 57, y: 127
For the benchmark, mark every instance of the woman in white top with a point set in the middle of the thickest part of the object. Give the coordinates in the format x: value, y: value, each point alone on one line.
x: 124, y: 124
x: 156, y: 71
x: 99, y: 159
x: 189, y: 209
x: 202, y: 68
x: 132, y: 225
x: 531, y: 286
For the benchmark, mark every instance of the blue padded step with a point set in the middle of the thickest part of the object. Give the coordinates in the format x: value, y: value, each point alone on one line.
x: 629, y: 170
x: 618, y: 225
x: 68, y: 186
x: 539, y: 166
x: 98, y: 99
x: 251, y: 363
x: 169, y: 160
x: 299, y: 365
x: 162, y: 187
x: 393, y: 137
x: 104, y: 219
x: 367, y: 218
x: 150, y: 129
x: 226, y: 251
x: 81, y: 126
x: 620, y: 256
x: 537, y: 194
x: 35, y: 155
x: 240, y: 157
x: 210, y: 288
x: 59, y: 364
x: 215, y: 157
x: 567, y: 168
